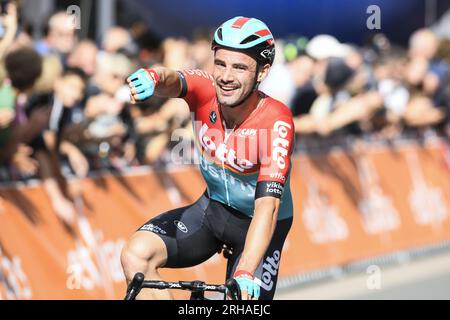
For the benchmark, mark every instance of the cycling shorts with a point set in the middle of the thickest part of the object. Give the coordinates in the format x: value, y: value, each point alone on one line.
x: 194, y: 233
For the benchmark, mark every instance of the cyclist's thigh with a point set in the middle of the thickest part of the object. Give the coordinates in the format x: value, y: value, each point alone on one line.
x: 186, y: 235
x: 266, y: 274
x: 148, y: 246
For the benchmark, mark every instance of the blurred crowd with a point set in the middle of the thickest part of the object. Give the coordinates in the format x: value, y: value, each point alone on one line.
x: 379, y: 90
x: 65, y: 108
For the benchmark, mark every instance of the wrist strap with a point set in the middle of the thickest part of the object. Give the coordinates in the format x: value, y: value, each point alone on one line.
x: 153, y: 75
x: 243, y: 273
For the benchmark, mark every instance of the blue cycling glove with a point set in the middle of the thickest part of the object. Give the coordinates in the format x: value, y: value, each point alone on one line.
x: 143, y: 82
x: 247, y: 283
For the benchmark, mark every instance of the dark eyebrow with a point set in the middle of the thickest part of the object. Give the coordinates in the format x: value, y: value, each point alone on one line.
x: 218, y: 61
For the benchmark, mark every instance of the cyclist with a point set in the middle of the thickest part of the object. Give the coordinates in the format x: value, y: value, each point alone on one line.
x: 245, y: 141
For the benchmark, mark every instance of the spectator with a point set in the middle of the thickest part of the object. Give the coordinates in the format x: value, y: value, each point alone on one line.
x: 23, y: 67
x: 84, y: 56
x: 106, y: 111
x: 388, y: 81
x: 7, y: 114
x: 310, y: 90
x: 285, y: 79
x: 119, y: 40
x: 200, y: 51
x: 420, y: 110
x: 9, y: 26
x: 335, y: 108
x: 424, y: 45
x: 68, y: 90
x: 60, y: 36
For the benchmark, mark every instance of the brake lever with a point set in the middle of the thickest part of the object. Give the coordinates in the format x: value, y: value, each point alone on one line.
x: 234, y: 289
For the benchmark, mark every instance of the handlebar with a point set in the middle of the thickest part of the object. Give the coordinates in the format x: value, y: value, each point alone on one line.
x: 196, y: 287
x: 135, y: 286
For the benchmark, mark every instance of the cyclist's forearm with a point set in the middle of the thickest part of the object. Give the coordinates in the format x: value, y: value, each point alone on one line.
x: 169, y: 83
x: 259, y: 234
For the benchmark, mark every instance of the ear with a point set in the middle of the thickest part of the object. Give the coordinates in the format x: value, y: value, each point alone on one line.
x: 263, y: 72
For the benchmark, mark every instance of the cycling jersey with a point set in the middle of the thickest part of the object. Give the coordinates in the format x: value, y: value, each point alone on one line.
x: 244, y: 163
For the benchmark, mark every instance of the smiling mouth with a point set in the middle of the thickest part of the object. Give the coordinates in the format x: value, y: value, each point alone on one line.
x: 227, y: 90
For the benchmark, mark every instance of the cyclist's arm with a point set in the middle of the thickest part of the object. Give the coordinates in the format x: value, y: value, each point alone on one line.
x: 274, y: 171
x: 169, y: 84
x: 194, y: 86
x: 259, y: 233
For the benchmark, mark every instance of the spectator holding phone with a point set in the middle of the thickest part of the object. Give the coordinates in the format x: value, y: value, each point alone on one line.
x: 23, y: 68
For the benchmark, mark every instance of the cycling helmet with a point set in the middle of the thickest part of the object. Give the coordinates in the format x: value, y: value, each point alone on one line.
x: 248, y: 35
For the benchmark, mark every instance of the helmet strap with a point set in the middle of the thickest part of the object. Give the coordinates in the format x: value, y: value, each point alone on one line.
x: 256, y: 82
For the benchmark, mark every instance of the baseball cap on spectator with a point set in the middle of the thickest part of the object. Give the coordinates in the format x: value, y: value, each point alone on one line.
x: 325, y: 46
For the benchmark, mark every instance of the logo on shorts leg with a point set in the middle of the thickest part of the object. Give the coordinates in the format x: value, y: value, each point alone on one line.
x: 152, y: 228
x: 180, y: 225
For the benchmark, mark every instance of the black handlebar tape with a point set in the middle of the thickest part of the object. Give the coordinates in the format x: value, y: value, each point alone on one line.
x: 193, y: 285
x: 135, y: 286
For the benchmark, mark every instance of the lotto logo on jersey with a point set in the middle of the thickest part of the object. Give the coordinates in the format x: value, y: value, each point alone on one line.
x: 281, y: 144
x: 222, y: 152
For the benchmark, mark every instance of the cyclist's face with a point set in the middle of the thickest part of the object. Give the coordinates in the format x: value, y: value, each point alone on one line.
x: 234, y: 76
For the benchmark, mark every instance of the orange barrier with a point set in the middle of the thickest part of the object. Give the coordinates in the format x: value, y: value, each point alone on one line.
x: 347, y: 207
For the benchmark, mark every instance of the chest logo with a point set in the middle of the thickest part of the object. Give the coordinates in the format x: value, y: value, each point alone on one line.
x: 213, y: 117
